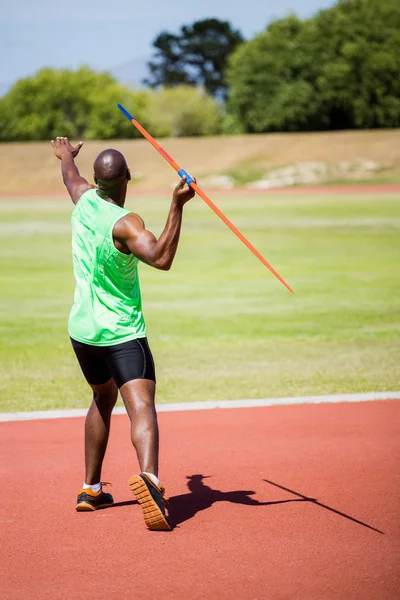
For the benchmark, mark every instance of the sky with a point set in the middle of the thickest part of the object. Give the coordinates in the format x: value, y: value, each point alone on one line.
x: 116, y: 37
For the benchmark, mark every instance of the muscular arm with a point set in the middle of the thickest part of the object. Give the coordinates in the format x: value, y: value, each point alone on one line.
x: 75, y: 184
x: 130, y: 233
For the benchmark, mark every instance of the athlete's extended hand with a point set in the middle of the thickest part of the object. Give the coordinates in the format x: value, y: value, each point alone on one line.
x: 183, y: 193
x: 62, y: 146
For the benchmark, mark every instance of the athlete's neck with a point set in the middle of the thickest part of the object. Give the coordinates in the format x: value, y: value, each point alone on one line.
x: 114, y: 195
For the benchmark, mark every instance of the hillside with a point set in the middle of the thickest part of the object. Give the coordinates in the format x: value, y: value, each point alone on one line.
x: 225, y: 161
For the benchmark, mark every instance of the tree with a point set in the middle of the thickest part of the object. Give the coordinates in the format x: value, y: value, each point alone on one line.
x: 77, y: 104
x: 358, y: 79
x: 271, y: 80
x: 196, y: 56
x: 336, y: 70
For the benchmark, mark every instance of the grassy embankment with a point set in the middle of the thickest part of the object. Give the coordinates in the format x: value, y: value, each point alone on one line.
x: 330, y: 157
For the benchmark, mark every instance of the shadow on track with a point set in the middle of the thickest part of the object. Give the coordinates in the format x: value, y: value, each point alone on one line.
x: 201, y: 496
x: 314, y: 501
x: 125, y: 503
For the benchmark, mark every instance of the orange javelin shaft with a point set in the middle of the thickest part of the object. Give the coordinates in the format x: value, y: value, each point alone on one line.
x: 207, y: 200
x: 155, y: 144
x: 239, y: 234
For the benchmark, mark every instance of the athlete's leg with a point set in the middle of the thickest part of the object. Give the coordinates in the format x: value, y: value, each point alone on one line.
x: 138, y: 396
x: 97, y: 429
x: 132, y: 368
x: 105, y: 392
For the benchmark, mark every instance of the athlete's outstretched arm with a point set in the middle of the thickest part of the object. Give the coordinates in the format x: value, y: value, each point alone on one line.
x: 131, y: 233
x: 75, y: 184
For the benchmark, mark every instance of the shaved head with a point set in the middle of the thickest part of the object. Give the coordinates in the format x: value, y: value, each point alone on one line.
x: 110, y: 166
x: 111, y: 175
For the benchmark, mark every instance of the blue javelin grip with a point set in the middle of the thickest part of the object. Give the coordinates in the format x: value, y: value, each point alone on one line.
x: 189, y: 178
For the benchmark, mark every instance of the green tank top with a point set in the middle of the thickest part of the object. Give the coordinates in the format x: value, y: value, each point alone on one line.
x: 107, y: 307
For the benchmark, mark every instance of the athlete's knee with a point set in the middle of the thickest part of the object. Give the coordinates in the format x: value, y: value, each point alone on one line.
x: 138, y: 396
x: 105, y: 399
x: 106, y: 393
x: 136, y: 404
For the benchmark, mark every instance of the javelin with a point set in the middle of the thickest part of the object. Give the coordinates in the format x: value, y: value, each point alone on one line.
x: 191, y: 182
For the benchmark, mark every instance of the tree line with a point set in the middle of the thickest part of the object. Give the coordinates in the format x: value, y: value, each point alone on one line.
x: 337, y: 70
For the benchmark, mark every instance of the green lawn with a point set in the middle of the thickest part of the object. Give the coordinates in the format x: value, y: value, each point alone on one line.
x: 220, y: 325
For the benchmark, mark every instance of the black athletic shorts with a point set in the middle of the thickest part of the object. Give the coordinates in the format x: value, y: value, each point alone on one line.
x: 124, y: 362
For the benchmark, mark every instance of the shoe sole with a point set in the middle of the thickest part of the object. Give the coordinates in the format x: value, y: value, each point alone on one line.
x: 85, y: 506
x: 152, y: 515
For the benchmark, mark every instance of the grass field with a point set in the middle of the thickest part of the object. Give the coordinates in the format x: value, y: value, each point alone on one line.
x: 220, y: 325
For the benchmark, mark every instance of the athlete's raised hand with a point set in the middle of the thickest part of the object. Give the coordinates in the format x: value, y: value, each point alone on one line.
x: 75, y: 184
x: 183, y: 193
x: 61, y: 146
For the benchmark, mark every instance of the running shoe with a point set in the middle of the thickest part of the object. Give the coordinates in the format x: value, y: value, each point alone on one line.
x: 152, y: 501
x: 88, y: 500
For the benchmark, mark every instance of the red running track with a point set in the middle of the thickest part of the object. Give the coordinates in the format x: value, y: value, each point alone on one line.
x: 237, y: 536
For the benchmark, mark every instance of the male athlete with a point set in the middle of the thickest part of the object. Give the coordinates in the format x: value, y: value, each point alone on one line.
x: 106, y: 324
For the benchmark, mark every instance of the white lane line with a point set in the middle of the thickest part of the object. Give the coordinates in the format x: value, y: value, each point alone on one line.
x: 210, y: 404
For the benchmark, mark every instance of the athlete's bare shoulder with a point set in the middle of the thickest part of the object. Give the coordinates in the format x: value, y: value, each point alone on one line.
x: 82, y: 189
x: 128, y: 224
x: 126, y: 230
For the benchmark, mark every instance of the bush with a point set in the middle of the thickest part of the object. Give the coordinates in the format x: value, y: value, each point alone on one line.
x: 77, y: 104
x: 183, y: 111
